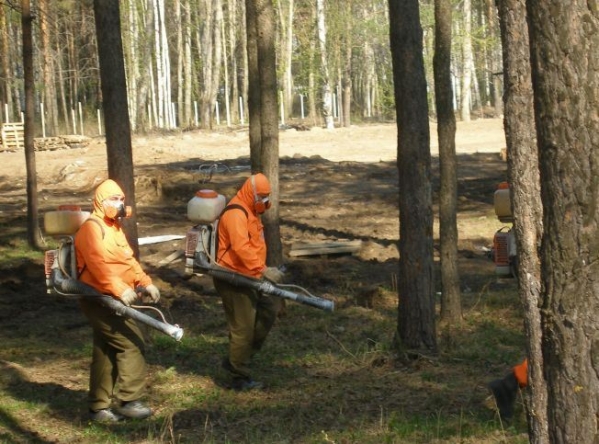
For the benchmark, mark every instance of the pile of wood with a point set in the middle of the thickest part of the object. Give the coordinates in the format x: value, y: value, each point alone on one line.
x: 13, y: 139
x: 49, y: 143
x: 61, y: 142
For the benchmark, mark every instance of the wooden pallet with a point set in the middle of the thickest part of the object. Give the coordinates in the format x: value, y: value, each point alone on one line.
x: 13, y: 136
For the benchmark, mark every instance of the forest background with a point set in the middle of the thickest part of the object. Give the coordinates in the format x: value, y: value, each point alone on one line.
x: 186, y: 62
x: 188, y: 392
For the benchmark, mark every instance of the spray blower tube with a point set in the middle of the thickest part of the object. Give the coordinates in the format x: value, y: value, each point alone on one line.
x: 262, y: 286
x: 75, y: 287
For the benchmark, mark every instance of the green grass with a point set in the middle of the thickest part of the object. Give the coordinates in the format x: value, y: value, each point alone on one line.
x: 332, y: 378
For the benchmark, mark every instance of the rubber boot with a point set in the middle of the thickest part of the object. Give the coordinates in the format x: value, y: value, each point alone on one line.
x: 505, y: 391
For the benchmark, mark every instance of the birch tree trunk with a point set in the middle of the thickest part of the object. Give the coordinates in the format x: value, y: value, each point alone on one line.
x: 254, y: 93
x: 180, y: 56
x: 210, y: 53
x: 186, y: 118
x: 286, y: 51
x: 6, y: 79
x: 467, y: 63
x: 132, y: 62
x: 49, y: 92
x: 327, y: 96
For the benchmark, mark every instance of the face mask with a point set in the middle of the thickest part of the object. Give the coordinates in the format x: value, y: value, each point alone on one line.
x: 261, y: 204
x: 116, y: 208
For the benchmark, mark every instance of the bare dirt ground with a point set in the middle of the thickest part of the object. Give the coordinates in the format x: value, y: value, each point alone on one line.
x: 334, y: 185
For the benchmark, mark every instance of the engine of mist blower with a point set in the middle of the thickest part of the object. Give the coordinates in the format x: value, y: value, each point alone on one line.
x: 504, y: 240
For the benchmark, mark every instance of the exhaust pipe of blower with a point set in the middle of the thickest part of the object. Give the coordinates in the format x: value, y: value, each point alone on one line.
x: 261, y: 285
x: 76, y: 288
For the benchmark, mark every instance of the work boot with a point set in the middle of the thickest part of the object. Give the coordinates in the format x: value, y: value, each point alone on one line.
x: 104, y: 415
x: 134, y: 410
x: 505, y: 391
x: 246, y: 384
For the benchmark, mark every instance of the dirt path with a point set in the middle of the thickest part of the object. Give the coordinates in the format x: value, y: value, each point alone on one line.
x: 370, y: 143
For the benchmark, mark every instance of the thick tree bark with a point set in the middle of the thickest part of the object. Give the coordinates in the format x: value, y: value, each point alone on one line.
x: 523, y: 176
x: 451, y: 306
x: 269, y: 125
x: 116, y: 112
x: 564, y: 39
x: 416, y: 318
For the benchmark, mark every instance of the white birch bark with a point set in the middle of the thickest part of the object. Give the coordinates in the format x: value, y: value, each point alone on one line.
x: 327, y: 97
x: 467, y: 63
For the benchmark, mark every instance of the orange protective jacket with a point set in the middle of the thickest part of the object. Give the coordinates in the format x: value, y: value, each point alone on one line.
x: 521, y: 373
x: 105, y: 259
x: 241, y: 244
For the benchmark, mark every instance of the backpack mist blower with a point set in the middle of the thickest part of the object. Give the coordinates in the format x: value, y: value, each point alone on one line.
x: 61, y: 268
x: 205, y: 209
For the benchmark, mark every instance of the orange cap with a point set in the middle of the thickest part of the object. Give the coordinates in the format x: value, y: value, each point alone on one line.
x: 69, y: 208
x: 503, y: 186
x: 207, y: 194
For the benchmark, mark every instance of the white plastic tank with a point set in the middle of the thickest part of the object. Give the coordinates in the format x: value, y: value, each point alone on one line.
x: 205, y: 206
x: 65, y: 221
x: 503, y: 203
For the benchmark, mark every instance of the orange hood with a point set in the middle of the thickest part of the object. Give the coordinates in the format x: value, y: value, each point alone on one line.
x: 106, y: 189
x: 247, y: 194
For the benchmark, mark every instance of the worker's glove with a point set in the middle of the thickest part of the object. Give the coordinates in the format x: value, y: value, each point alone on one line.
x: 128, y: 297
x: 153, y: 293
x: 273, y: 274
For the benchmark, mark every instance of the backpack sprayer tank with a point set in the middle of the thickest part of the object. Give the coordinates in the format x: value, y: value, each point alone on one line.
x: 203, y: 210
x: 63, y: 223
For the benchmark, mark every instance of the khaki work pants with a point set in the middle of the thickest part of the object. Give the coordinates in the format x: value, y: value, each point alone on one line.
x: 250, y: 317
x: 118, y: 357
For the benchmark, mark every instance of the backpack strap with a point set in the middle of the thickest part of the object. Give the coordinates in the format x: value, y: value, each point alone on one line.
x: 97, y: 222
x: 227, y: 208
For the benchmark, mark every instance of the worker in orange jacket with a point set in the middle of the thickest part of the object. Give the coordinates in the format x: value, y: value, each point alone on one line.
x: 105, y: 261
x: 505, y: 390
x: 242, y: 248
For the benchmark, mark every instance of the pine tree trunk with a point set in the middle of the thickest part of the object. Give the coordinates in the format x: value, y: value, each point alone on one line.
x: 416, y: 314
x: 33, y: 229
x: 564, y: 77
x: 265, y: 22
x: 254, y: 94
x: 523, y: 175
x: 451, y: 306
x: 116, y: 111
